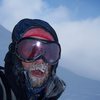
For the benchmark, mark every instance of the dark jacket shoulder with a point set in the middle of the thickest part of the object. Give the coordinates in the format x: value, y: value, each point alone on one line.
x: 55, y: 88
x: 5, y: 91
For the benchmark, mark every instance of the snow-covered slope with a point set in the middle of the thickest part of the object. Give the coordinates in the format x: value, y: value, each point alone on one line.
x: 5, y: 38
x: 78, y: 87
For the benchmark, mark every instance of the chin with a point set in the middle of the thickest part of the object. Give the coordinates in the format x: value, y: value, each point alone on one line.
x: 37, y: 81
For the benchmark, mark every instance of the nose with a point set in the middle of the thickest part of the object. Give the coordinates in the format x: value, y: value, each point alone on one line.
x: 39, y: 61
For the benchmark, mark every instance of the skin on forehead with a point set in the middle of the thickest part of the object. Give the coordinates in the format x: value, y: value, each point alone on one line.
x: 39, y: 33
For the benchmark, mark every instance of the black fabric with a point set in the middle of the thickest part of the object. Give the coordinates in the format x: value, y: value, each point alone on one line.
x: 1, y: 92
x: 14, y: 82
x: 6, y: 85
x: 25, y: 24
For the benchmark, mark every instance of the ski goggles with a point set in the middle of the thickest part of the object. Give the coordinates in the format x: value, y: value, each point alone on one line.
x: 31, y: 49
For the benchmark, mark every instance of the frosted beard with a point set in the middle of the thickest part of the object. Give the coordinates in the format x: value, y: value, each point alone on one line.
x: 38, y: 74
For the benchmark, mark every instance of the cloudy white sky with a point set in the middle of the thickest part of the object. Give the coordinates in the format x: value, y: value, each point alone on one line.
x: 77, y: 23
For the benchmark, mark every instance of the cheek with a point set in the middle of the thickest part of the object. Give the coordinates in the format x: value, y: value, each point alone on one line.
x: 26, y: 65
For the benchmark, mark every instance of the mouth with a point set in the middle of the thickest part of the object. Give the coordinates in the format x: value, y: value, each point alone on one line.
x: 38, y: 73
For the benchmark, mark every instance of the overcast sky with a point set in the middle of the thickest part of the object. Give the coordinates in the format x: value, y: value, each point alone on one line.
x: 77, y: 23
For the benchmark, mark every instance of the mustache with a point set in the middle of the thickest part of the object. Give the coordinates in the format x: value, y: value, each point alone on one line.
x: 41, y: 67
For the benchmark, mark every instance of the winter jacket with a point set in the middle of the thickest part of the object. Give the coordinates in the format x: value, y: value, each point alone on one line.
x: 52, y: 92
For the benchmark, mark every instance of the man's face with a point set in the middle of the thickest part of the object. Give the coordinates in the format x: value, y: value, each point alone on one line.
x: 38, y: 72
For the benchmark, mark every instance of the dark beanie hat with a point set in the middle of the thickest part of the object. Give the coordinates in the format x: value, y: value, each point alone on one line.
x: 22, y: 26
